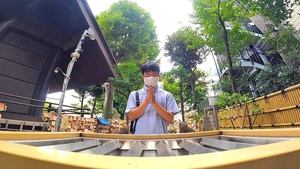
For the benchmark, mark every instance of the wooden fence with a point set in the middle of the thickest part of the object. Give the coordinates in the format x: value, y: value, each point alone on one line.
x: 276, y: 110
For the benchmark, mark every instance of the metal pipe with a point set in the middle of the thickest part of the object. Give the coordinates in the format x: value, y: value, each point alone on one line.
x: 75, y: 55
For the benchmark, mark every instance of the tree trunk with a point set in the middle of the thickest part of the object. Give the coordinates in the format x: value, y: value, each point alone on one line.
x: 94, y: 107
x: 81, y: 104
x: 181, y: 101
x: 192, y: 83
x: 108, y: 102
x: 228, y: 54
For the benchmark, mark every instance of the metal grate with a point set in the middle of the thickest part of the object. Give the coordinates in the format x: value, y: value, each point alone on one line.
x: 151, y: 148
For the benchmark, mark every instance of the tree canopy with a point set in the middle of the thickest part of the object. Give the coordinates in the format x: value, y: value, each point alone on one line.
x: 183, y: 47
x: 187, y: 50
x: 232, y: 15
x: 130, y: 31
x: 221, y: 25
x: 278, y: 11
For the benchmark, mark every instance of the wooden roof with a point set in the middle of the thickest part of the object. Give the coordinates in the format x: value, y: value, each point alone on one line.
x: 59, y: 24
x: 36, y: 36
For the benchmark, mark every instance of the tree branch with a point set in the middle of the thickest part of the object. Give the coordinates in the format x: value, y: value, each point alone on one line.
x: 227, y: 49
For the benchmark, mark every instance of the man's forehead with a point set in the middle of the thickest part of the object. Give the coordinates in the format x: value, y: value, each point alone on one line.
x: 151, y: 73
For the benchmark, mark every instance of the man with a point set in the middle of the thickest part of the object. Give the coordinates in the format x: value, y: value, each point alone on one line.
x: 157, y: 106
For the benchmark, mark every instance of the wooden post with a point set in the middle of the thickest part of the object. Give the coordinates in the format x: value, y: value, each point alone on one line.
x: 248, y: 114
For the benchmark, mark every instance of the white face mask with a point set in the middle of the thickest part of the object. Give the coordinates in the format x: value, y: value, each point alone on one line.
x: 151, y: 81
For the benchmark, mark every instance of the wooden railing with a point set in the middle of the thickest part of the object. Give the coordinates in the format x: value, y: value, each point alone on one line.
x: 276, y: 110
x: 36, y: 103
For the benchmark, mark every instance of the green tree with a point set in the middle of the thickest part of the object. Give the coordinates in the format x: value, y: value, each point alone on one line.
x: 100, y: 104
x: 177, y: 82
x: 95, y: 91
x: 186, y: 47
x: 242, y: 81
x: 199, y: 92
x: 130, y: 32
x: 173, y: 82
x: 220, y: 23
x: 282, y: 35
x: 129, y: 79
x: 278, y: 11
x: 281, y: 38
x: 81, y: 96
x: 227, y: 99
x: 285, y: 42
x: 275, y: 78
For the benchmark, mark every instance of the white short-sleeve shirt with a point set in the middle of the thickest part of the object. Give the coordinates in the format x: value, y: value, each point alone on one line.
x: 151, y: 122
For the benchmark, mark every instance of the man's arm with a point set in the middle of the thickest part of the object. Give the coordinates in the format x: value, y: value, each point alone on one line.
x: 138, y: 111
x: 166, y: 115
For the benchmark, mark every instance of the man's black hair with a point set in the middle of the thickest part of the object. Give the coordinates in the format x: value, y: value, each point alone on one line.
x: 150, y: 66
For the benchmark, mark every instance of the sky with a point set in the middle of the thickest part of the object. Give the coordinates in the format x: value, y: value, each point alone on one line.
x: 168, y: 16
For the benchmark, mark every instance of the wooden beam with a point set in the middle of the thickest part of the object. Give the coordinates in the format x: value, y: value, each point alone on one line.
x: 136, y: 149
x: 223, y: 145
x: 7, y: 135
x: 163, y: 149
x: 49, y: 142
x: 108, y: 147
x: 295, y: 132
x: 253, y: 140
x: 150, y: 136
x: 194, y: 147
x: 74, y: 147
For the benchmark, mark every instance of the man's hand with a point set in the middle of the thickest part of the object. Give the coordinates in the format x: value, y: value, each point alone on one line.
x: 150, y: 95
x: 168, y: 116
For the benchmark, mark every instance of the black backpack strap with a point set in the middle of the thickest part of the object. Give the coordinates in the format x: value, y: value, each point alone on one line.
x: 137, y: 98
x: 133, y: 123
